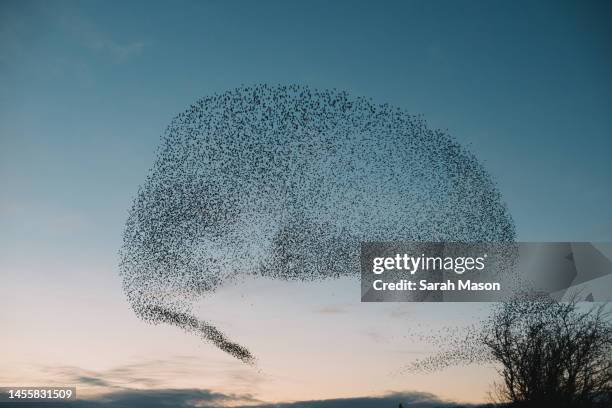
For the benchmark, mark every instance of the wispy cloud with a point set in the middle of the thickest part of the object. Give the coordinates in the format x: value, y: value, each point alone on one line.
x: 98, y: 382
x: 145, y: 384
x: 92, y: 37
x: 192, y: 398
x: 117, y: 51
x: 391, y: 400
x: 159, y: 398
x: 331, y: 309
x: 22, y: 28
x: 164, y: 398
x: 157, y: 374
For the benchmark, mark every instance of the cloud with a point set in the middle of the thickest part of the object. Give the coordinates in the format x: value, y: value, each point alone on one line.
x: 392, y: 400
x: 158, y: 374
x: 192, y: 398
x: 83, y: 379
x: 115, y: 378
x: 161, y: 398
x: 135, y: 386
x: 92, y: 37
x: 23, y: 27
x: 331, y: 310
x: 175, y: 398
x: 117, y: 51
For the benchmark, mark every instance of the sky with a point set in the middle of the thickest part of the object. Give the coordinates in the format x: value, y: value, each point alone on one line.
x: 87, y: 89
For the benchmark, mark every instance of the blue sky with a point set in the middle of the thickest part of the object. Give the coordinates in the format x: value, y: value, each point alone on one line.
x: 526, y: 84
x: 87, y: 89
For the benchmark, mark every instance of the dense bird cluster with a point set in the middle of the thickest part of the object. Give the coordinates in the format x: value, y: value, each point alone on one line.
x: 285, y: 182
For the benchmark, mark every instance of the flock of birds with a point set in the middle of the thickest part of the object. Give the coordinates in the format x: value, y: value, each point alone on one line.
x: 465, y: 345
x: 285, y: 182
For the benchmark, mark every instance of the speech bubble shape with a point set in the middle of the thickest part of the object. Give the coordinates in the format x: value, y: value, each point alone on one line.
x: 285, y: 182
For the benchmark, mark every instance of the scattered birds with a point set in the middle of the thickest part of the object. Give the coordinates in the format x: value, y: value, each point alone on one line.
x: 467, y: 345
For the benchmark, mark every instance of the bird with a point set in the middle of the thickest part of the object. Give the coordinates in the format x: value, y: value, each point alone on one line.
x: 285, y: 182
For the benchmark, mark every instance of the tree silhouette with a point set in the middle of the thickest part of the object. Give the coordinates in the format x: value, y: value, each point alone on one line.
x: 551, y: 353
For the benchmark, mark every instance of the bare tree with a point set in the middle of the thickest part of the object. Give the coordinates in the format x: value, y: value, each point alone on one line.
x: 551, y: 353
